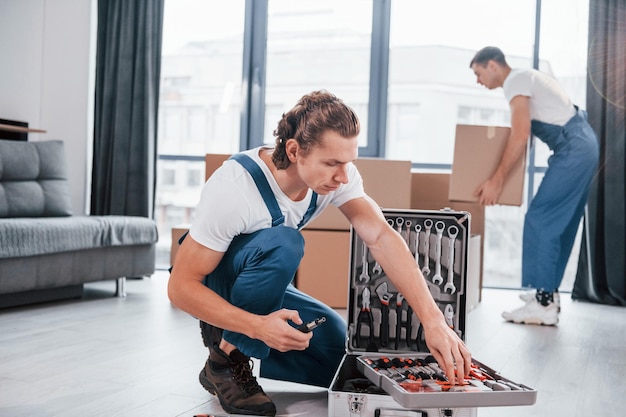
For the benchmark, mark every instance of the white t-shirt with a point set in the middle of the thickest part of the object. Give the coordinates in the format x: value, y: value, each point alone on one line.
x: 548, y: 101
x: 230, y: 203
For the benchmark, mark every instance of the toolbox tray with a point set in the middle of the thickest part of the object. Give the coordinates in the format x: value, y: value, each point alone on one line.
x: 438, y: 239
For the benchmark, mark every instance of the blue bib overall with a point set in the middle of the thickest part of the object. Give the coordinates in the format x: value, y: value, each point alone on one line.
x: 553, y: 216
x: 256, y: 275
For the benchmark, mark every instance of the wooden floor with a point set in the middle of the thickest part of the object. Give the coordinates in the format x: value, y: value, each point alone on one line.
x: 139, y: 356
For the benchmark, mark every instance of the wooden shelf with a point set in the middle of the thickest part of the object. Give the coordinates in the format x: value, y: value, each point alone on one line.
x: 12, y: 128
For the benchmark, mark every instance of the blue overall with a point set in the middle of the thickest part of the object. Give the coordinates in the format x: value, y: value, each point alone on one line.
x: 553, y: 216
x: 256, y: 275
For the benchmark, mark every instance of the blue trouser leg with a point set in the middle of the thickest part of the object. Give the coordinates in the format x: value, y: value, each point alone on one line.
x: 255, y: 275
x: 317, y: 364
x: 554, y: 214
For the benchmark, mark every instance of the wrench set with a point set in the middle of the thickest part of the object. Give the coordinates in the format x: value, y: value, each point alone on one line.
x: 387, y: 369
x: 383, y: 319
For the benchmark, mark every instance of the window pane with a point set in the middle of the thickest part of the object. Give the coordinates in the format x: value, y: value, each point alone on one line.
x: 312, y: 45
x: 201, y: 76
x: 431, y: 45
x: 199, y: 108
x: 563, y: 53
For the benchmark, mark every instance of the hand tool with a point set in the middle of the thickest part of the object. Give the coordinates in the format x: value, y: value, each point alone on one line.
x: 418, y: 229
x: 428, y: 224
x: 399, y: 223
x: 365, y: 276
x: 365, y: 316
x: 407, y: 237
x: 377, y: 268
x: 401, y: 322
x: 384, y: 296
x: 448, y: 314
x: 308, y: 327
x: 453, y: 231
x: 437, y: 278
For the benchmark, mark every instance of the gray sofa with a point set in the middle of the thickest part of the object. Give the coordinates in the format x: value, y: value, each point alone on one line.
x: 46, y: 252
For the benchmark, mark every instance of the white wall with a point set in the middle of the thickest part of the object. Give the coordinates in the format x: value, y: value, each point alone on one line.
x: 47, y: 56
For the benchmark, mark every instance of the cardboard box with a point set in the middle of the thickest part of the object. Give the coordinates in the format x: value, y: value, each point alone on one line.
x: 386, y: 181
x: 477, y: 153
x: 213, y: 161
x: 324, y: 268
x: 177, y: 232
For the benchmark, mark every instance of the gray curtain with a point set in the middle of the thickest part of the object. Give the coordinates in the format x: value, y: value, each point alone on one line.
x: 601, y: 275
x: 128, y: 66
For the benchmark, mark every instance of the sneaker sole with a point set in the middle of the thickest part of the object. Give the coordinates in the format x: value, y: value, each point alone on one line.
x: 204, y: 381
x: 537, y: 322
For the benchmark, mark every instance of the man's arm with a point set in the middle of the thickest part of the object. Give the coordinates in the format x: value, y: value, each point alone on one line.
x: 393, y: 255
x: 489, y: 191
x: 187, y: 292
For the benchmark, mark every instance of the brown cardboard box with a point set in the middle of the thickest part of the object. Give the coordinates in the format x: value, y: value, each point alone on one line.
x: 477, y: 153
x: 430, y: 191
x: 324, y: 270
x: 177, y: 232
x: 213, y: 161
x: 388, y: 182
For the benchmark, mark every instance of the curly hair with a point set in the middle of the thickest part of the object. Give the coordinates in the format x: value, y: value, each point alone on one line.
x: 314, y: 114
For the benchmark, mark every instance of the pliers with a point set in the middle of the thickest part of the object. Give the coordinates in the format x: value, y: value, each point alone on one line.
x: 365, y: 316
x: 384, y: 297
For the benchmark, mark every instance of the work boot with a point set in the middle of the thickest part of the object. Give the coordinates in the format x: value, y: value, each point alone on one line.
x: 230, y: 378
x: 533, y: 313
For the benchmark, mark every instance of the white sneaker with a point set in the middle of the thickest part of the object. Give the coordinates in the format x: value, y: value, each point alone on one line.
x: 533, y: 313
x: 527, y: 296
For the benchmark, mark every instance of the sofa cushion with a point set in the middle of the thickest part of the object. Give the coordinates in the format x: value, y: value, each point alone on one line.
x: 22, y: 237
x: 33, y: 180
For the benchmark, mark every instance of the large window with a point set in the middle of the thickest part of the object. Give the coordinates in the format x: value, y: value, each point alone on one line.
x: 430, y: 47
x: 313, y: 45
x: 403, y: 65
x: 200, y: 105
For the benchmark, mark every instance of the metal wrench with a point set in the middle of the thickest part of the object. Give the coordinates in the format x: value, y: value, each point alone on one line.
x: 437, y: 278
x: 453, y: 231
x: 418, y: 229
x: 407, y: 238
x: 365, y: 276
x: 428, y: 224
x: 399, y: 223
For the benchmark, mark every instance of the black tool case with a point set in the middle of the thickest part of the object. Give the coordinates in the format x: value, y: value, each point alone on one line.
x: 387, y: 370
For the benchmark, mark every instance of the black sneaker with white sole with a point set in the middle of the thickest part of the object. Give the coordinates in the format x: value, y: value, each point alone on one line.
x: 230, y: 378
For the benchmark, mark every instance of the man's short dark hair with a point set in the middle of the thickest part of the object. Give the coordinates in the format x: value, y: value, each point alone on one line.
x: 488, y: 53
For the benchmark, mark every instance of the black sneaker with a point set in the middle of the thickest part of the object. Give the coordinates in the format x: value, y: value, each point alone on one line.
x: 230, y: 378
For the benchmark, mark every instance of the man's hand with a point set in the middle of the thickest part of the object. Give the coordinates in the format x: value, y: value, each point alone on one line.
x: 488, y: 192
x: 277, y: 333
x: 451, y: 353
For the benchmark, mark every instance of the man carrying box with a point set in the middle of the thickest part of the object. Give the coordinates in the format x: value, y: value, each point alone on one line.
x: 540, y: 106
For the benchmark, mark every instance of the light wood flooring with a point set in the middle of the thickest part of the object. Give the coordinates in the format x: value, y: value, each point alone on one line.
x: 139, y: 356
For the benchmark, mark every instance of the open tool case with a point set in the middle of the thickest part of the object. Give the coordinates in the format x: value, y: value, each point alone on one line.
x: 388, y: 370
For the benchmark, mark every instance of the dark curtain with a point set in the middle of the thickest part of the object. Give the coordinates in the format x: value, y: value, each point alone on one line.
x: 128, y: 66
x: 601, y: 275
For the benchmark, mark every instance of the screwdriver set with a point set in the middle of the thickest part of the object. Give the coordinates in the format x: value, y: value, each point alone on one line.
x: 388, y: 369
